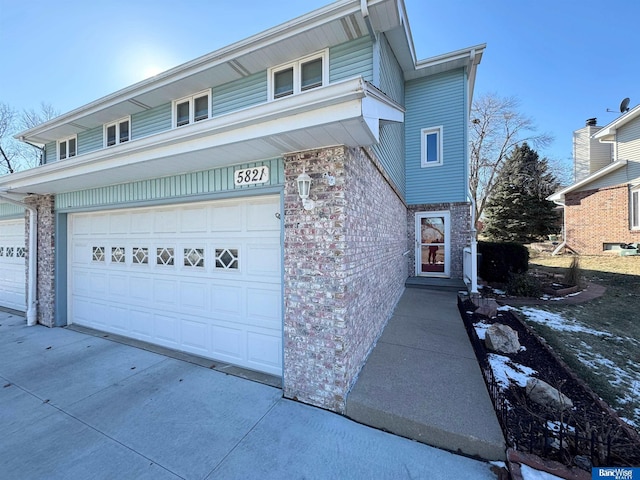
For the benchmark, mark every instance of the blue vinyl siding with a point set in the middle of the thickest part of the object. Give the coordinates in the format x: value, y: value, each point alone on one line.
x: 390, y: 152
x: 90, y: 140
x: 148, y: 122
x: 351, y: 59
x: 50, y: 150
x: 391, y: 77
x: 390, y: 149
x: 435, y: 101
x: 240, y: 94
x: 9, y: 210
x: 185, y: 186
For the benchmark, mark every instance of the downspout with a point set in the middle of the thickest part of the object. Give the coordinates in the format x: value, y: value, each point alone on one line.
x: 364, y: 9
x: 32, y: 309
x: 564, y: 227
x: 474, y: 231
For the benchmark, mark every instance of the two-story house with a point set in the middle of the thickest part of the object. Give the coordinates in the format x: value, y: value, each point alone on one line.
x: 602, y: 207
x: 262, y: 205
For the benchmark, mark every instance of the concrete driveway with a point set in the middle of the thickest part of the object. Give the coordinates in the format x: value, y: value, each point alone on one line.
x: 76, y: 406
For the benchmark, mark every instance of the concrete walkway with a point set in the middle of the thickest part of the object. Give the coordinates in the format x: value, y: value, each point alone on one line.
x: 422, y: 380
x: 75, y: 406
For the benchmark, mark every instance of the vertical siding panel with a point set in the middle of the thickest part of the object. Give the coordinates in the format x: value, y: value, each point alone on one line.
x: 430, y: 102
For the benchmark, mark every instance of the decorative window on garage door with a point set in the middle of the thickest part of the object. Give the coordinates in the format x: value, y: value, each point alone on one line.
x: 98, y: 254
x: 164, y: 256
x: 140, y: 255
x: 194, y: 257
x: 227, y: 258
x: 117, y: 254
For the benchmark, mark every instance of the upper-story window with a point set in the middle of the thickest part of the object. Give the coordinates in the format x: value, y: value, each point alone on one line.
x: 635, y: 208
x: 67, y: 148
x: 117, y: 132
x: 299, y: 76
x: 431, y: 146
x: 191, y: 109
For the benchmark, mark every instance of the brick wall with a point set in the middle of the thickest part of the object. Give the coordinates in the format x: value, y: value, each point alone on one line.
x: 344, y: 271
x: 44, y: 205
x: 596, y: 217
x: 459, y: 236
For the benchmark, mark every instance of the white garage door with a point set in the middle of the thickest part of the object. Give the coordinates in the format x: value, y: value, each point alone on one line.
x: 12, y: 264
x: 204, y: 278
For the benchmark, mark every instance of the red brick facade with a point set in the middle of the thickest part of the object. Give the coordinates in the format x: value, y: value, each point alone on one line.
x: 594, y: 218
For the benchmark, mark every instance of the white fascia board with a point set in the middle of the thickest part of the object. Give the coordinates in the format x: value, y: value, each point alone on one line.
x: 466, y: 57
x: 343, y: 101
x: 333, y: 11
x: 559, y: 196
x: 607, y: 132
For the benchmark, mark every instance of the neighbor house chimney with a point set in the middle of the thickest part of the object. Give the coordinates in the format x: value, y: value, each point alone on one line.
x: 591, y: 122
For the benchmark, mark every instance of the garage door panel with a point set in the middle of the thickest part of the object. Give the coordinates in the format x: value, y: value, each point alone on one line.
x: 98, y: 283
x: 195, y: 278
x: 167, y: 329
x: 141, y: 324
x: 164, y: 293
x: 195, y: 335
x: 227, y: 343
x: 119, y: 319
x: 166, y: 221
x: 141, y: 222
x: 263, y: 308
x: 193, y: 296
x: 118, y: 286
x: 119, y: 223
x: 262, y: 217
x: 12, y: 264
x: 226, y: 218
x: 226, y: 300
x: 263, y: 260
x: 266, y: 351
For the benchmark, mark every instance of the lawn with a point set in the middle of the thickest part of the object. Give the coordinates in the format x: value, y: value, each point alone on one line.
x: 599, y: 339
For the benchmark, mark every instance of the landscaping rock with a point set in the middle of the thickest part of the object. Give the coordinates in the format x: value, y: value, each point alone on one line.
x: 544, y: 394
x: 487, y: 307
x: 502, y: 339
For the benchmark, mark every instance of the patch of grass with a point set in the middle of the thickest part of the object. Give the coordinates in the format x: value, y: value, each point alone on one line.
x: 609, y: 364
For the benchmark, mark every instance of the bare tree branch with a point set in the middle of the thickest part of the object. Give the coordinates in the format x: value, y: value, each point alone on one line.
x: 497, y: 127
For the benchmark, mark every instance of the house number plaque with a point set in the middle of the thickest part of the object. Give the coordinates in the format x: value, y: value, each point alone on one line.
x: 251, y: 176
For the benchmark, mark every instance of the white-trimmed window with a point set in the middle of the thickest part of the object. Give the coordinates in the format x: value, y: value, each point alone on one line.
x: 635, y: 208
x: 431, y: 146
x: 295, y: 77
x: 192, y: 109
x: 67, y: 148
x: 117, y: 132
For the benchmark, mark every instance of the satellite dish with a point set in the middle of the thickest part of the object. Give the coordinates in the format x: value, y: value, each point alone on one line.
x: 624, y: 106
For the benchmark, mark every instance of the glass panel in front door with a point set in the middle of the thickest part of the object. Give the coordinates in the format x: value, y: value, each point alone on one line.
x: 432, y: 244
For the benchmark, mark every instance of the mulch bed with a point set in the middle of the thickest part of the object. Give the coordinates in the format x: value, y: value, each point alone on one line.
x: 591, y: 433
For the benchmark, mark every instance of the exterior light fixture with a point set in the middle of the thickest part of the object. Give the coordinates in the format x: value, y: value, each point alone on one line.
x: 304, y: 187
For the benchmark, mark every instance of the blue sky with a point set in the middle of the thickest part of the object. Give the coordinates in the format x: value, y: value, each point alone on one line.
x: 566, y: 60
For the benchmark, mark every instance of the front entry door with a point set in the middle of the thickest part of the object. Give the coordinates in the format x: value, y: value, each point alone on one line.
x: 433, y: 250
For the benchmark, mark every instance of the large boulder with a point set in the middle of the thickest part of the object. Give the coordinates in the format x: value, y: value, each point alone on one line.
x: 487, y: 307
x: 502, y: 339
x: 544, y: 394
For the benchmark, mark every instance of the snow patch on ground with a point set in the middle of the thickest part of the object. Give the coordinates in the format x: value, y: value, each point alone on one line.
x: 481, y: 329
x: 529, y: 473
x: 558, y: 322
x: 506, y: 371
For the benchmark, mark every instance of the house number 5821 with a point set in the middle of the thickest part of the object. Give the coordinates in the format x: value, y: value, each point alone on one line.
x: 250, y: 176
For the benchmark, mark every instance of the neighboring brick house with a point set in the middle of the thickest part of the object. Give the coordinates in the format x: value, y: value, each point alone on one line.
x: 602, y: 209
x: 176, y: 211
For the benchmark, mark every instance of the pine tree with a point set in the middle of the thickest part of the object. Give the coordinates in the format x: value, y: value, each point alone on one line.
x: 518, y: 210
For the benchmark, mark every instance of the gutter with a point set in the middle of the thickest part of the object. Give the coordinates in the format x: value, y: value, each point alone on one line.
x: 32, y: 309
x: 364, y: 9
